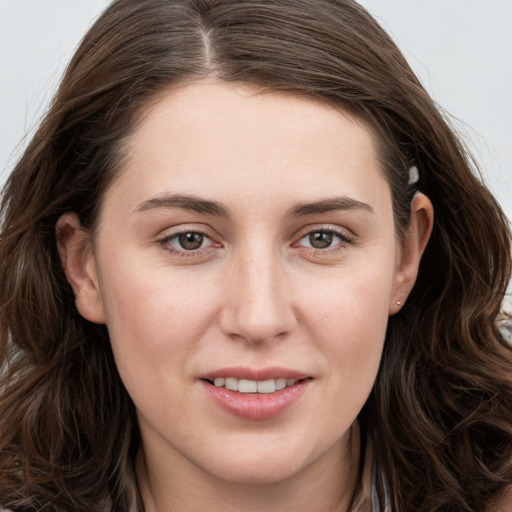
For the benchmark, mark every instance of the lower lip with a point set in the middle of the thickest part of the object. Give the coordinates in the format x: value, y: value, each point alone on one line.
x: 256, y: 406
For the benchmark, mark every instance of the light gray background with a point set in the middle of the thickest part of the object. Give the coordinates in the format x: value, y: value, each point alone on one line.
x: 461, y: 49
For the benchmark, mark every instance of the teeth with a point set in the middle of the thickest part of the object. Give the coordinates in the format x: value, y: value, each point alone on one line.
x: 231, y: 384
x: 253, y: 386
x: 280, y: 384
x: 247, y: 386
x: 266, y: 386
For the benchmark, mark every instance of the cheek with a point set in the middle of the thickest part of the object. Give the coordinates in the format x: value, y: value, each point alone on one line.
x: 348, y: 317
x: 152, y: 316
x: 360, y: 329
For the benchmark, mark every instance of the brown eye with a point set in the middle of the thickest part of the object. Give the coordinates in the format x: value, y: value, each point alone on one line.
x: 325, y: 240
x: 190, y: 241
x: 320, y: 239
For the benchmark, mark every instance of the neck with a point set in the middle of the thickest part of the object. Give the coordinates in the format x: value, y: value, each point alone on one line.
x: 326, y: 485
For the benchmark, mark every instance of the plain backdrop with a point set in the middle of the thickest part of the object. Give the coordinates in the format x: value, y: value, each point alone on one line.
x: 461, y: 50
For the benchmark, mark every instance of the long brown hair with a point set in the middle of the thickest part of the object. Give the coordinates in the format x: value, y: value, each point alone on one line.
x: 440, y: 414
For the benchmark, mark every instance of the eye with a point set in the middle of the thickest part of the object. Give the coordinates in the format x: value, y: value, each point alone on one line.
x: 187, y: 241
x: 190, y: 241
x: 322, y: 239
x: 319, y: 239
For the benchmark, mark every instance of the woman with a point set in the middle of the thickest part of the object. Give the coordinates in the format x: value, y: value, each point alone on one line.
x: 223, y: 287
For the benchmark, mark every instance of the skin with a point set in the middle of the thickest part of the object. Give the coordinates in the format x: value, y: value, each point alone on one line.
x: 256, y: 294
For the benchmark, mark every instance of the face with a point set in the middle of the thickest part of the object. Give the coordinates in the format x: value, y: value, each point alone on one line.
x: 245, y: 264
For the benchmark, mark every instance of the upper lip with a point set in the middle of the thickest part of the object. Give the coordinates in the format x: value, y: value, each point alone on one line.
x: 239, y: 372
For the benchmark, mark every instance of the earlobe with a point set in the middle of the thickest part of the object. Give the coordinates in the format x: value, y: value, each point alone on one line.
x: 79, y: 265
x: 412, y: 247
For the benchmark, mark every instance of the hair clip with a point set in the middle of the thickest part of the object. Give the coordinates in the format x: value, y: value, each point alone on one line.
x: 414, y: 175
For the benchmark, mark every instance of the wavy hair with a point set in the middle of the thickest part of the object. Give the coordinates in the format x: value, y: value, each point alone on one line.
x: 439, y: 416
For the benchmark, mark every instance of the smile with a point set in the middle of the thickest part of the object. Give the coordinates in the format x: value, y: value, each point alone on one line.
x: 253, y: 386
x: 255, y: 394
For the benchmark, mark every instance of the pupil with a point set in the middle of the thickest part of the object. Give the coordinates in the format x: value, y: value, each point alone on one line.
x: 320, y: 240
x: 191, y: 241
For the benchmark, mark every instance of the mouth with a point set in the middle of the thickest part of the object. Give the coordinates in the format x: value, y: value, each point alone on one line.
x: 255, y: 394
x: 267, y: 386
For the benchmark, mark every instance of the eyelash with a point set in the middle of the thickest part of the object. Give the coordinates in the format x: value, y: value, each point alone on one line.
x: 166, y: 243
x: 344, y: 240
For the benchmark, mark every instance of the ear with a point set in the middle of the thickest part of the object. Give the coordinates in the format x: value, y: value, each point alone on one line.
x: 79, y: 264
x: 411, y: 249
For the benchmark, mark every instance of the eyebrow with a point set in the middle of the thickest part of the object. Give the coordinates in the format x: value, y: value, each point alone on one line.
x: 329, y: 205
x: 217, y: 209
x: 185, y: 202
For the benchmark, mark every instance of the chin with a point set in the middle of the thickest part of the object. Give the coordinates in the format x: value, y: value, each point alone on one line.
x: 260, y: 467
x: 263, y: 474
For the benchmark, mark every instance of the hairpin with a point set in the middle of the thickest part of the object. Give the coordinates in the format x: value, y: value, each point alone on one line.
x: 414, y: 175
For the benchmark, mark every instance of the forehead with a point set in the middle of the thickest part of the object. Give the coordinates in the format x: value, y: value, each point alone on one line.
x: 212, y: 137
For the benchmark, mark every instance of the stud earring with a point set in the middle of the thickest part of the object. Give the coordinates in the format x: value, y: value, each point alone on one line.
x: 398, y: 303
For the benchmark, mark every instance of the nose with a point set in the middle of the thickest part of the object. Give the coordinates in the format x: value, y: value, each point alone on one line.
x: 259, y: 305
